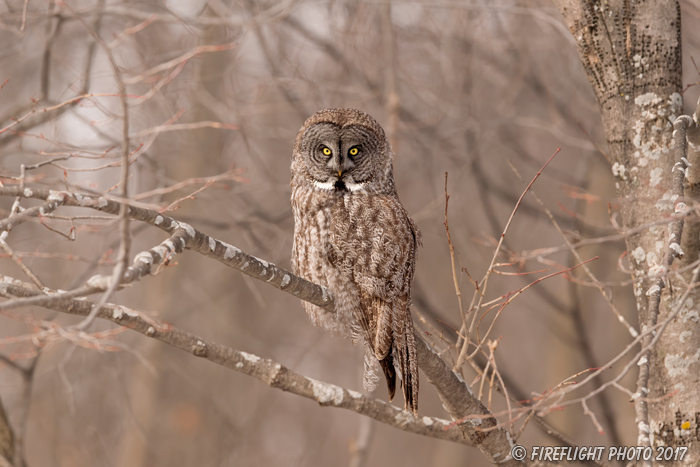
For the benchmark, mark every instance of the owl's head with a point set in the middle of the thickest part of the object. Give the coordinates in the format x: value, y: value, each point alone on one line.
x: 343, y: 150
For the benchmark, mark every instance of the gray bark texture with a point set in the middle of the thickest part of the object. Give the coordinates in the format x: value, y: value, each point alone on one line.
x: 631, y: 53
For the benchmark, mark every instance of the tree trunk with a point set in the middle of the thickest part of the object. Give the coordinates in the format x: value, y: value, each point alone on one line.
x: 631, y: 52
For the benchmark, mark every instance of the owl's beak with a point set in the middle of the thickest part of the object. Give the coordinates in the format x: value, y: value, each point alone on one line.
x: 340, y: 173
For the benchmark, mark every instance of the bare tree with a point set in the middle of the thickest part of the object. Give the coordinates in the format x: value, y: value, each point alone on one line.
x: 632, y: 56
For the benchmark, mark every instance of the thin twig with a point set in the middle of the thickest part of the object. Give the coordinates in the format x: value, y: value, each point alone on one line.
x: 18, y: 262
x: 633, y: 332
x: 458, y: 292
x: 489, y: 271
x: 177, y: 61
x: 65, y: 103
x: 125, y: 243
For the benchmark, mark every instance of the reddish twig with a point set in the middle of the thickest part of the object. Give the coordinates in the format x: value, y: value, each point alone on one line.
x: 484, y: 282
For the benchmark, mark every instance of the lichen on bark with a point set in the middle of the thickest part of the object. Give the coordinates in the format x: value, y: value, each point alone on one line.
x: 631, y: 53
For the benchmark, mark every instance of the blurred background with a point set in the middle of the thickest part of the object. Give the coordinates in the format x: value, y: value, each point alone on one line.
x: 472, y: 88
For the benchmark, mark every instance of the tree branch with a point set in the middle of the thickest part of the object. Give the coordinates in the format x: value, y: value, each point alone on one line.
x: 454, y: 393
x: 268, y: 371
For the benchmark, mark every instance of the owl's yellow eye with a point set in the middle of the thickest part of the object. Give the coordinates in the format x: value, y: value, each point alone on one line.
x: 354, y: 151
x: 326, y: 151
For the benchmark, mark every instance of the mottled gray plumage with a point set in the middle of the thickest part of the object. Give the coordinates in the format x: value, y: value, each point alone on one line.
x: 352, y: 235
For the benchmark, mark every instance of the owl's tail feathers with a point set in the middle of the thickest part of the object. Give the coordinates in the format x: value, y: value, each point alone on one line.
x: 407, y: 364
x: 387, y: 365
x: 390, y: 342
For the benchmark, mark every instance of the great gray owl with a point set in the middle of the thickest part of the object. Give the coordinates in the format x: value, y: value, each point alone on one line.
x: 352, y: 235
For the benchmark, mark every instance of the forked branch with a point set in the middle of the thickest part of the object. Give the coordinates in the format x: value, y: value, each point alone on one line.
x: 454, y: 393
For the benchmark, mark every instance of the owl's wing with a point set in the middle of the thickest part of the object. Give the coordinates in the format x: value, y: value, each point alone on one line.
x: 383, y: 274
x: 384, y: 240
x: 404, y: 354
x: 375, y: 317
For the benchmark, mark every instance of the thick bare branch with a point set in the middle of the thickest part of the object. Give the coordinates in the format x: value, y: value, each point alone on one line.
x: 265, y: 370
x: 455, y: 394
x: 51, y: 204
x: 208, y: 246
